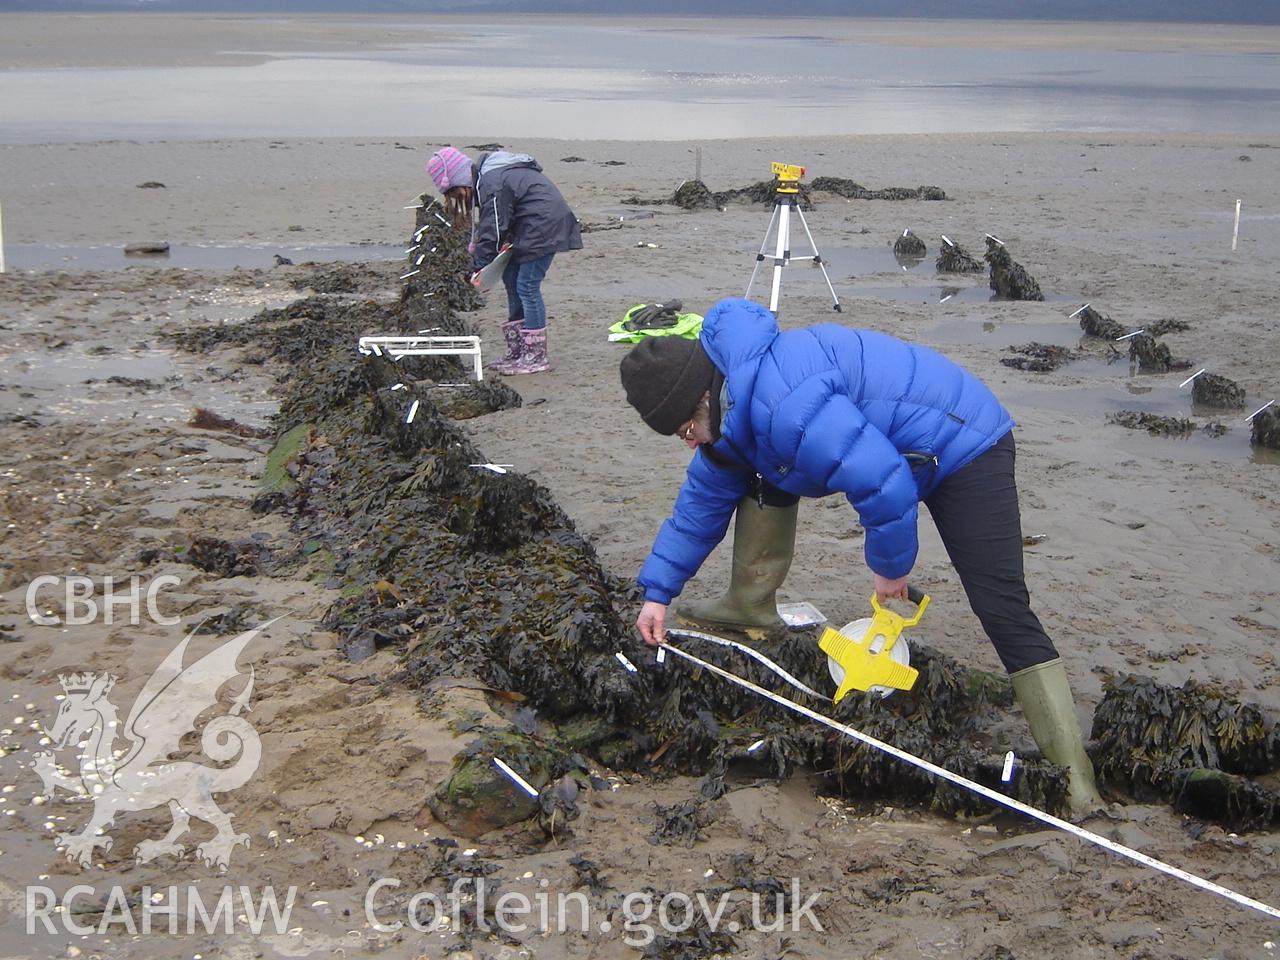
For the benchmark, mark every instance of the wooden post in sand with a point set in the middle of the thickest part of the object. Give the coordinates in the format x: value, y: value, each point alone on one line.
x: 1, y: 238
x: 1235, y: 231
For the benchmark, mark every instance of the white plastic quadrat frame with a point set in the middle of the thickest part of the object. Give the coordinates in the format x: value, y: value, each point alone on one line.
x: 424, y: 346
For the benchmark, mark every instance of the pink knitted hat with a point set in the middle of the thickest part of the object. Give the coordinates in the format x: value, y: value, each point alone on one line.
x: 449, y: 168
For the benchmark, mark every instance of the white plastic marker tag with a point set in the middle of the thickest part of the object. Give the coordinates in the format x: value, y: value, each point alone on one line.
x: 1192, y: 377
x: 755, y: 746
x: 662, y: 655
x: 1128, y: 335
x: 996, y: 239
x: 398, y: 386
x: 518, y: 780
x: 406, y: 276
x: 1249, y: 418
x: 947, y: 240
x: 1007, y: 774
x: 627, y: 664
x: 493, y: 467
x: 615, y: 337
x: 413, y: 412
x: 1078, y: 312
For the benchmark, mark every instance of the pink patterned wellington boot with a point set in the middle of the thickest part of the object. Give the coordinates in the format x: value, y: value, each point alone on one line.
x: 515, y: 345
x: 533, y: 358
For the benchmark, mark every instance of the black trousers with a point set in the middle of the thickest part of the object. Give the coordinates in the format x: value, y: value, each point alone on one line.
x: 976, y: 513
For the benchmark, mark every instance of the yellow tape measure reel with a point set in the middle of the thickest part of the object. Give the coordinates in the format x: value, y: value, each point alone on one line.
x: 879, y: 661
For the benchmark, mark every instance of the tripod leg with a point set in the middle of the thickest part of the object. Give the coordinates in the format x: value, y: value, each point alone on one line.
x: 817, y: 258
x: 782, y: 253
x: 760, y: 256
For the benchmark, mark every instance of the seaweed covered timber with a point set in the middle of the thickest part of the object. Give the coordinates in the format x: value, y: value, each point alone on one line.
x: 1214, y: 390
x: 1154, y: 356
x: 1265, y: 431
x: 956, y: 259
x: 1193, y: 746
x: 909, y: 245
x: 696, y: 195
x: 1096, y: 324
x: 1009, y: 279
x: 478, y: 579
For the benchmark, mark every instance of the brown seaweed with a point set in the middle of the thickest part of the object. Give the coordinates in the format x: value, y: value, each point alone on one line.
x: 1153, y: 423
x: 1039, y: 357
x: 842, y: 187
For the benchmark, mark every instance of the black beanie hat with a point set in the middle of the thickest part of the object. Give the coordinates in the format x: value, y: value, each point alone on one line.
x: 665, y: 377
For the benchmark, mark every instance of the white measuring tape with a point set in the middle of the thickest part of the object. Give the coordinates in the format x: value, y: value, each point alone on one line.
x: 754, y: 654
x: 958, y: 780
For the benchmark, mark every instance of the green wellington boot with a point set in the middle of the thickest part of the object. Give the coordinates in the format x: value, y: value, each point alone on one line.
x: 764, y: 542
x: 1045, y: 696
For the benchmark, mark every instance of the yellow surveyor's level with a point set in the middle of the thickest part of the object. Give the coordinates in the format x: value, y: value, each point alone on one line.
x: 787, y: 176
x: 878, y: 662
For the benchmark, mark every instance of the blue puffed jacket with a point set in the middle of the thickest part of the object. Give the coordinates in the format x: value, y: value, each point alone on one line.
x: 826, y: 409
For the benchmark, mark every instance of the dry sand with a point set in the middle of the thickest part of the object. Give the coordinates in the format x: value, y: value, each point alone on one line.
x: 1158, y: 556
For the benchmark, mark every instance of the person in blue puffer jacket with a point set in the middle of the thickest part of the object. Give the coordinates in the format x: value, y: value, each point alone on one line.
x: 777, y: 416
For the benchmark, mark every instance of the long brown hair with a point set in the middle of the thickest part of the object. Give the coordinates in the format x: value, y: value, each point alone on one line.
x: 458, y: 204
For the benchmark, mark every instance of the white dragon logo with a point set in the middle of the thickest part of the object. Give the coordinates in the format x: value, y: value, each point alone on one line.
x: 141, y: 776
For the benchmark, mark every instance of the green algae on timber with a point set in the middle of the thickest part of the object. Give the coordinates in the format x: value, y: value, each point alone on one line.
x: 1161, y: 742
x: 277, y: 477
x: 479, y: 797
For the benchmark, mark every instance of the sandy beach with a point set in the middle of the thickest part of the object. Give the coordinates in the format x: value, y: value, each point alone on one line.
x: 1152, y: 555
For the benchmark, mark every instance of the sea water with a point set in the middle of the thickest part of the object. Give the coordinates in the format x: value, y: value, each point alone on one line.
x: 669, y: 79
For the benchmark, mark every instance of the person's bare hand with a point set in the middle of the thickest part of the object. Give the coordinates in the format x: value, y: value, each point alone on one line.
x: 890, y: 589
x: 652, y: 622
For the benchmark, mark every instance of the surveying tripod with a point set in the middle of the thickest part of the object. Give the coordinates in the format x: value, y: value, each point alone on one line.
x: 786, y: 190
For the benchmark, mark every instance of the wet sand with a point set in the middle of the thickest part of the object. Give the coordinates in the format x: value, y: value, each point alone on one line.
x: 1154, y: 556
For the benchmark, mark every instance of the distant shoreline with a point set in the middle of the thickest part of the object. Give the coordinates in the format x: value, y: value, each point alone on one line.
x: 36, y: 40
x: 1244, y: 12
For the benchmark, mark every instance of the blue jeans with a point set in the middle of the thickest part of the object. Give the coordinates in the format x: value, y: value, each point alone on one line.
x: 524, y: 291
